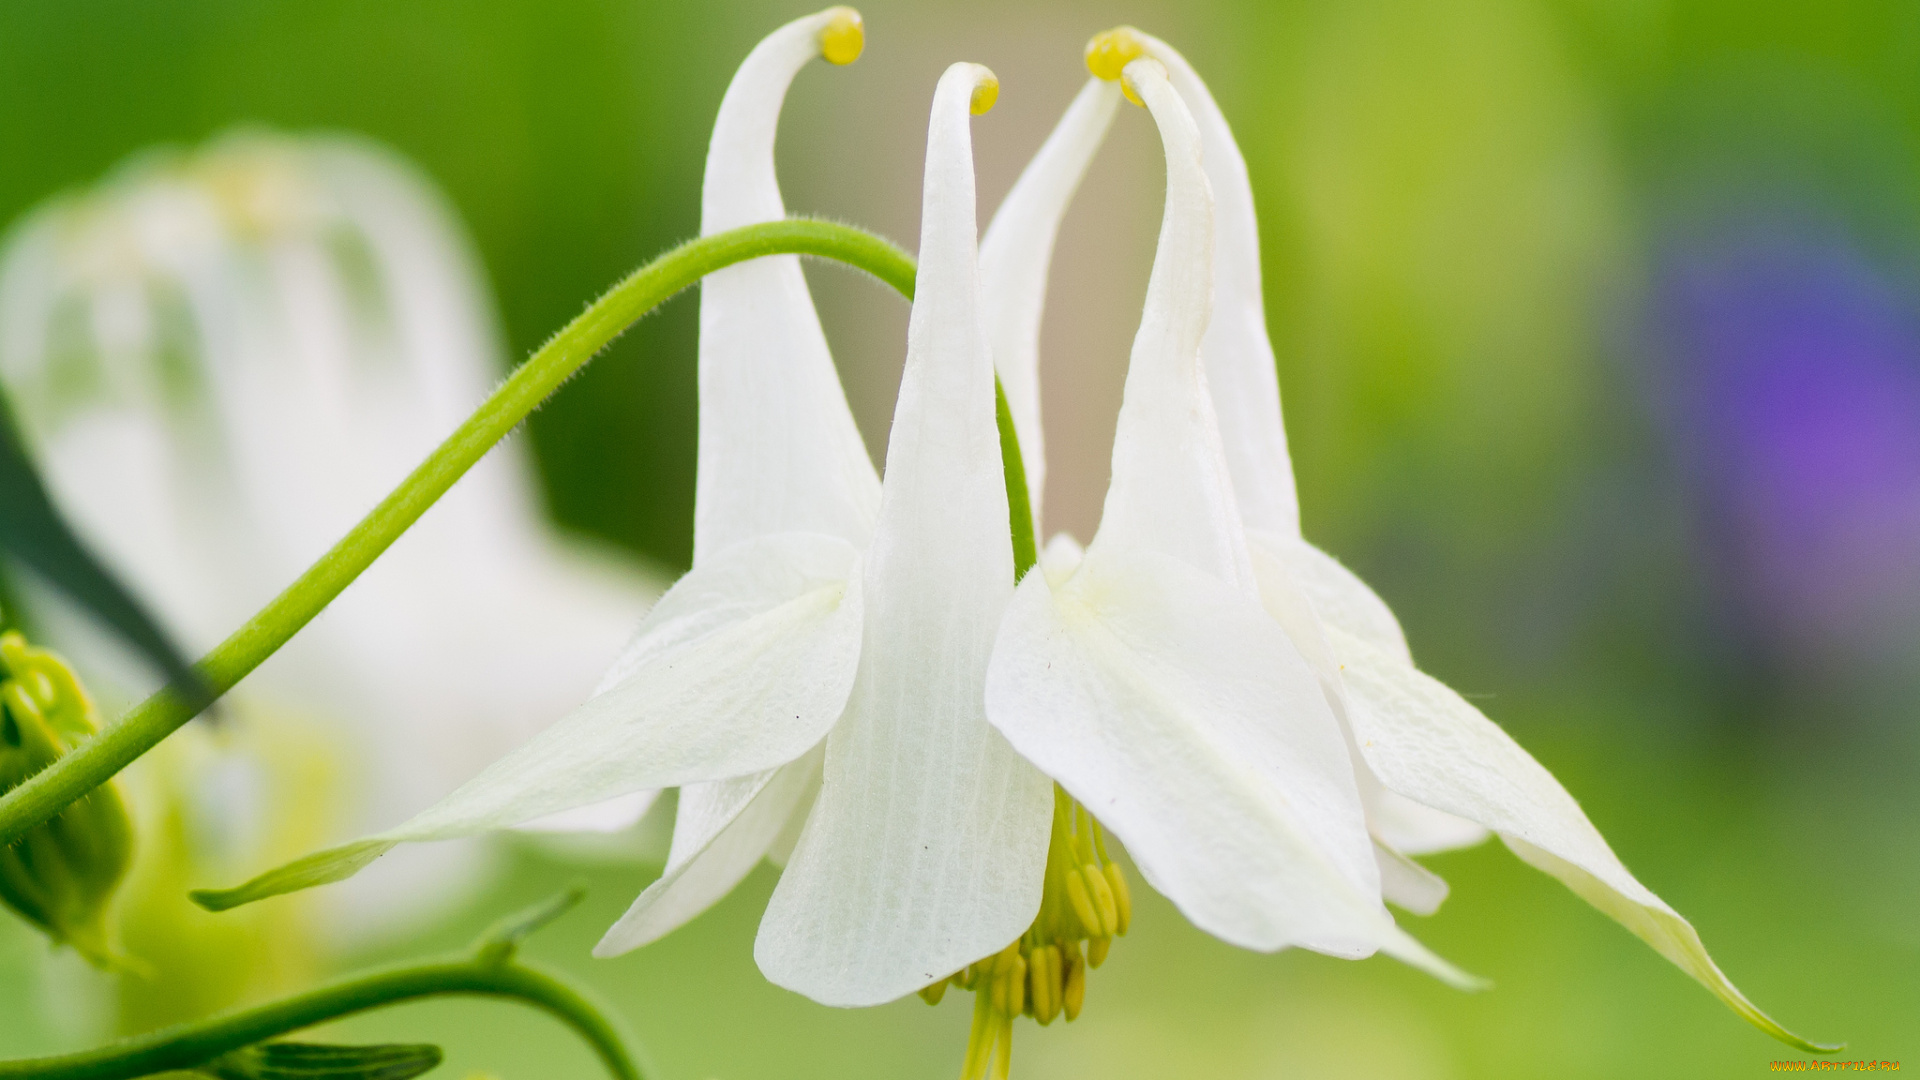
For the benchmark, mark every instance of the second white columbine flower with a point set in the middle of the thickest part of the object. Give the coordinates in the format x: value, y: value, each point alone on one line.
x: 1147, y: 679
x: 1434, y: 771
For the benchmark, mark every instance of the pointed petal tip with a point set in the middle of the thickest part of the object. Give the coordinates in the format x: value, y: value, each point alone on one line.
x: 1751, y: 1013
x: 319, y: 868
x: 1406, y: 949
x: 608, y: 947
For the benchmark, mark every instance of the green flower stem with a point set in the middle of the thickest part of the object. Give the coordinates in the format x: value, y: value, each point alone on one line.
x: 91, y: 764
x: 187, y: 1045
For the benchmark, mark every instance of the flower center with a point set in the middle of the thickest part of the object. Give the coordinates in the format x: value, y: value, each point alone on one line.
x: 1085, y: 904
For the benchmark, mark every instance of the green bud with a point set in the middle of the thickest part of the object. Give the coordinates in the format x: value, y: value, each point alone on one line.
x: 62, y: 875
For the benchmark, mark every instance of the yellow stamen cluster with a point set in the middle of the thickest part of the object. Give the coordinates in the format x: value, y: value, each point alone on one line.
x: 1084, y: 905
x: 844, y: 37
x: 1109, y: 53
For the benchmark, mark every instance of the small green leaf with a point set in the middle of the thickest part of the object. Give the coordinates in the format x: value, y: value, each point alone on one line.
x: 319, y: 868
x: 33, y: 531
x: 1026, y: 550
x: 498, y: 944
x: 319, y: 1061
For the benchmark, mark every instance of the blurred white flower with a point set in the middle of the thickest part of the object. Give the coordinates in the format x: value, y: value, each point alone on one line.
x: 222, y: 360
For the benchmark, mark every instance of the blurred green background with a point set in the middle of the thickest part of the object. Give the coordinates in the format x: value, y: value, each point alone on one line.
x: 1599, y: 327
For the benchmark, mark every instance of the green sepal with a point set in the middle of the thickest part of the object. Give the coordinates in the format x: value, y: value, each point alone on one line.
x: 319, y: 868
x: 503, y: 939
x: 61, y: 876
x: 1026, y: 549
x: 321, y: 1061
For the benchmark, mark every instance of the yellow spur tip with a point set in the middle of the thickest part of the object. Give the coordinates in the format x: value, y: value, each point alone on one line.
x: 844, y: 36
x: 985, y: 92
x: 1109, y: 53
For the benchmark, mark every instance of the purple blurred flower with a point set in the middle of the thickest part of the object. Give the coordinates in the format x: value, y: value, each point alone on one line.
x: 1795, y: 404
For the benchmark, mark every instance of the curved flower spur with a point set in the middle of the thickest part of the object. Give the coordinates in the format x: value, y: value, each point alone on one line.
x: 1434, y: 771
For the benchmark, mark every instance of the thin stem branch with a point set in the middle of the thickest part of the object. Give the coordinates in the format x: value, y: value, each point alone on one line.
x: 187, y: 1045
x: 91, y: 764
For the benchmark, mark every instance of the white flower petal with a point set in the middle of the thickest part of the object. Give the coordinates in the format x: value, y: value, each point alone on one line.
x: 1173, y: 709
x: 1427, y: 743
x: 741, y: 667
x: 1283, y: 565
x: 927, y: 846
x: 722, y: 831
x: 1237, y: 353
x: 1413, y: 829
x: 1170, y: 490
x: 1061, y: 557
x: 1406, y: 883
x: 610, y: 816
x: 1337, y: 595
x: 778, y: 447
x: 1016, y: 252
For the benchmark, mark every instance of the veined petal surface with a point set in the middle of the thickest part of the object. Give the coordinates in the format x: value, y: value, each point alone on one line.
x: 1016, y: 252
x: 926, y: 848
x: 778, y: 447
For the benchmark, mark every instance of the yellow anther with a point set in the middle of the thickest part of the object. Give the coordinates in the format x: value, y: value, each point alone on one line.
x: 1082, y: 902
x: 1097, y: 950
x: 985, y: 92
x: 1037, y: 982
x: 1045, y: 977
x: 1109, y: 53
x: 844, y: 37
x: 1073, y: 992
x: 933, y: 994
x: 1122, y: 897
x: 1016, y: 983
x: 1102, y: 895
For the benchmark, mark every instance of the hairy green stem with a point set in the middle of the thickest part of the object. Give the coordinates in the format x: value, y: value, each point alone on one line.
x: 91, y: 764
x: 187, y: 1045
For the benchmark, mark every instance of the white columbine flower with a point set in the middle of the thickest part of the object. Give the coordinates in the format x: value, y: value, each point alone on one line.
x: 1435, y: 771
x: 800, y: 694
x: 1147, y: 679
x: 222, y: 360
